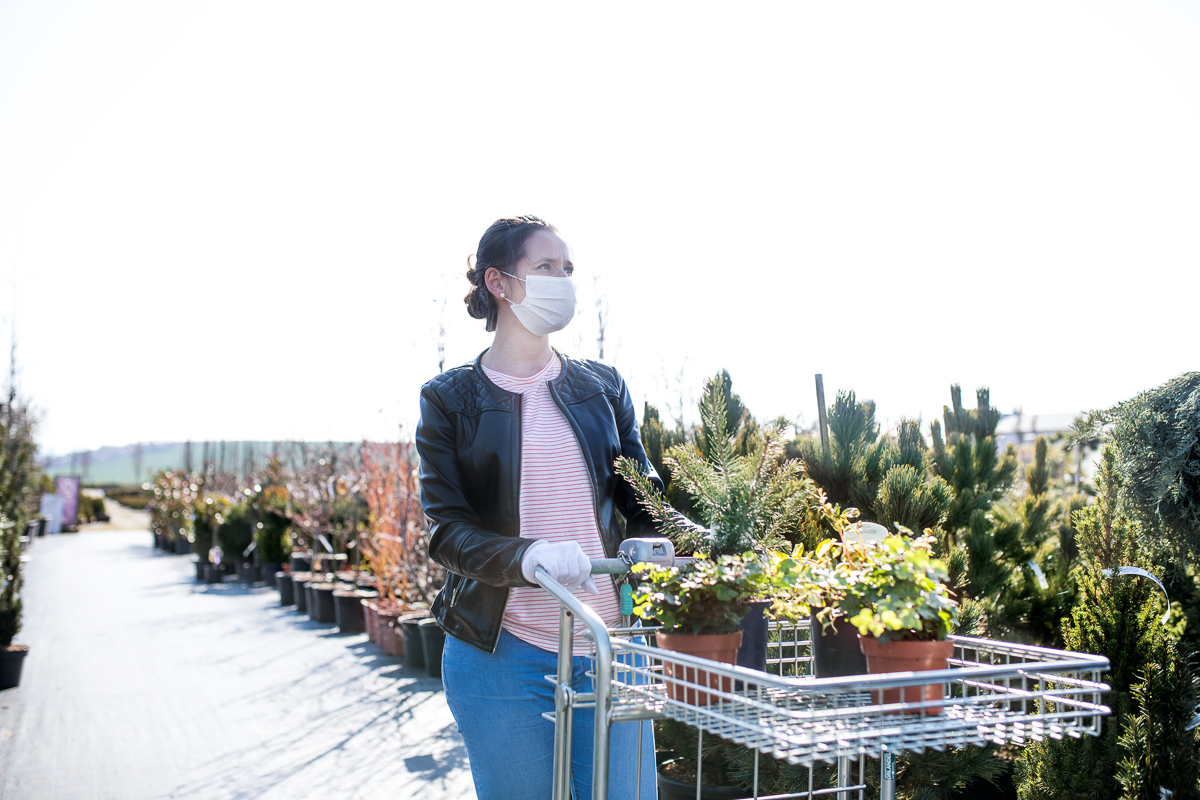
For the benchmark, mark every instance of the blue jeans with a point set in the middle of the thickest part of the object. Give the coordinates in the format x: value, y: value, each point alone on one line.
x: 498, y: 698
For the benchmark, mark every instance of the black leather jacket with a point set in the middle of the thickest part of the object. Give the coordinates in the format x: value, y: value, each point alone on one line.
x: 469, y: 441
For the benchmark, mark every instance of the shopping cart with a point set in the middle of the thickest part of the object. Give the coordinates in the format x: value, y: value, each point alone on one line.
x: 993, y: 691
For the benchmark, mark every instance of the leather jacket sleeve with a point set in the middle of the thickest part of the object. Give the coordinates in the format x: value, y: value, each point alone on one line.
x: 638, y: 521
x: 457, y: 538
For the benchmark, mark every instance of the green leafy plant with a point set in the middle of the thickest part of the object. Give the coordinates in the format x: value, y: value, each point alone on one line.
x: 746, y: 496
x: 708, y: 596
x: 899, y: 591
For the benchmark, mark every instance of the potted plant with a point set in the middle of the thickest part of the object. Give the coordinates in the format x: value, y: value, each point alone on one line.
x: 12, y: 656
x: 898, y: 599
x: 394, y: 546
x: 18, y: 482
x: 700, y: 608
x: 748, y: 498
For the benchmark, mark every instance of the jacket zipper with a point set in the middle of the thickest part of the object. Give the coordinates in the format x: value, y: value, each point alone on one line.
x: 591, y: 470
x: 517, y: 398
x: 457, y: 590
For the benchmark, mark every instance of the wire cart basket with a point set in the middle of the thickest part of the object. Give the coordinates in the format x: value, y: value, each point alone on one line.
x: 992, y: 692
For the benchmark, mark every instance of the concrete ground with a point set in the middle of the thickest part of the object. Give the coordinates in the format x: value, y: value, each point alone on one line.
x: 141, y: 683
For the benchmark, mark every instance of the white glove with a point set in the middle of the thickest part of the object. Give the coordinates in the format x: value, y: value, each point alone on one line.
x: 564, y: 561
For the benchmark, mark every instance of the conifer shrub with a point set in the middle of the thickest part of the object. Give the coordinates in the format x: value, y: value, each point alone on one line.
x: 19, y: 479
x: 1119, y: 617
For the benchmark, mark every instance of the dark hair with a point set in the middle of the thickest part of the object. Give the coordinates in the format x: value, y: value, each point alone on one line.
x: 502, y: 246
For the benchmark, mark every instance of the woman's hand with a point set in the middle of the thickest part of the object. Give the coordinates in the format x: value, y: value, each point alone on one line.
x: 564, y: 561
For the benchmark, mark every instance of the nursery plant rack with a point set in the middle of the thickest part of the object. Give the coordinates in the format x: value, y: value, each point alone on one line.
x: 994, y: 691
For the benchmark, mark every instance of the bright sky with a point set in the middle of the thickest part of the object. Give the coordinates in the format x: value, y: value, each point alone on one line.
x: 240, y: 220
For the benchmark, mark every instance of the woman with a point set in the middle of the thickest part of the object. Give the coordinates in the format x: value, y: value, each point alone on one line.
x: 517, y: 454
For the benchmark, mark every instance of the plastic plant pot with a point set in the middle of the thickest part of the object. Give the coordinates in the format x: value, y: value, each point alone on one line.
x: 283, y: 582
x: 752, y: 653
x: 268, y: 572
x: 348, y: 611
x: 301, y: 560
x: 300, y: 591
x: 11, y: 660
x: 414, y: 647
x: 322, y: 608
x: 836, y: 652
x: 433, y: 640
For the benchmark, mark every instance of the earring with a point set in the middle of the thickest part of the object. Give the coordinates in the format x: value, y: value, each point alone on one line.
x: 502, y: 294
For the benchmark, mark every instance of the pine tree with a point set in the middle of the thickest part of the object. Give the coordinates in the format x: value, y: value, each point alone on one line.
x: 743, y: 494
x: 1158, y: 434
x: 1118, y: 617
x: 18, y: 482
x: 886, y: 479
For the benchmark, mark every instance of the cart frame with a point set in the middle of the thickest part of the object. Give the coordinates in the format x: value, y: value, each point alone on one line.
x: 994, y: 691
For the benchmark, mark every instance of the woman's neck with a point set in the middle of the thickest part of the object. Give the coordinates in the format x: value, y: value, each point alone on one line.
x: 518, y: 355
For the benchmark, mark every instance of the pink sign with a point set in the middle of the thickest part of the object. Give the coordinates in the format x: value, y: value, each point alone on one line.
x: 68, y: 489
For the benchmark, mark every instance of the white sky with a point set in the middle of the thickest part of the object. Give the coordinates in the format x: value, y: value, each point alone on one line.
x: 239, y: 220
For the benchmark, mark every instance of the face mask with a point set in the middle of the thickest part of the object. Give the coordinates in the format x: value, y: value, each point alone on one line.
x: 548, y: 306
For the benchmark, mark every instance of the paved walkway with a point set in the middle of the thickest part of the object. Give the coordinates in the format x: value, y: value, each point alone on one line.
x: 141, y: 683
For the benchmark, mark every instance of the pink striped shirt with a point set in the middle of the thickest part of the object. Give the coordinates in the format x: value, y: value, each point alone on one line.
x: 556, y: 505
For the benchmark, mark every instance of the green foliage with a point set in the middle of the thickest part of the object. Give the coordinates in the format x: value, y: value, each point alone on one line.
x: 130, y: 496
x: 657, y: 441
x: 207, y: 511
x: 1157, y: 435
x: 1118, y: 617
x: 19, y: 479
x: 91, y: 508
x: 886, y: 479
x: 908, y: 499
x: 968, y: 460
x: 1159, y: 752
x: 270, y: 537
x: 235, y: 530
x: 746, y: 494
x: 708, y: 596
x: 941, y: 774
x: 899, y: 592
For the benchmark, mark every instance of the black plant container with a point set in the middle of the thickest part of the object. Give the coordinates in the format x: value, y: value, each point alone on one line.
x: 12, y: 658
x: 300, y: 582
x: 283, y: 582
x: 433, y: 640
x: 836, y: 653
x: 301, y: 561
x: 753, y: 652
x: 214, y: 573
x: 247, y: 572
x: 268, y: 572
x: 677, y: 790
x: 349, y: 612
x: 199, y: 570
x: 182, y: 547
x: 321, y: 608
x: 414, y: 647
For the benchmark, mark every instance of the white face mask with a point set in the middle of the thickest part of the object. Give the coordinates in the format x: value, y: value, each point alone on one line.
x: 548, y: 306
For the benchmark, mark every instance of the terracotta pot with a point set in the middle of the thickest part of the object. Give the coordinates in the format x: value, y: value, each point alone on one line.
x: 906, y: 657
x: 721, y: 647
x: 388, y: 632
x: 369, y: 615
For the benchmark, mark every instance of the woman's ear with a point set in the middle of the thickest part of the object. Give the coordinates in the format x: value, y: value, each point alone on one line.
x: 494, y: 281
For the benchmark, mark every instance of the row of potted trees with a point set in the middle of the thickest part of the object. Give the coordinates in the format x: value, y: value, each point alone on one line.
x: 336, y: 530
